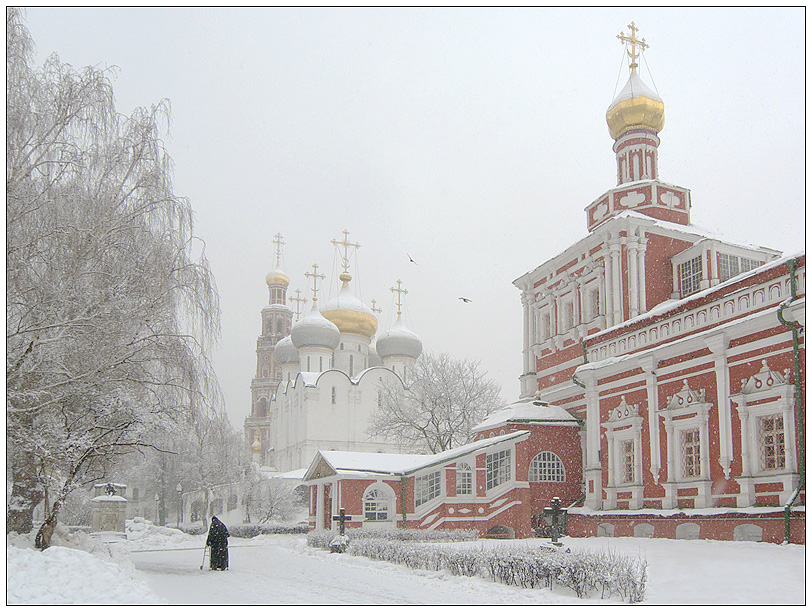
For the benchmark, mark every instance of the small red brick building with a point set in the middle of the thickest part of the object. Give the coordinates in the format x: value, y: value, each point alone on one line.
x: 523, y: 457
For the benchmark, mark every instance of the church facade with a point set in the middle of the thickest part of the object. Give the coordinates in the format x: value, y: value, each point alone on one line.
x: 682, y: 352
x: 662, y: 388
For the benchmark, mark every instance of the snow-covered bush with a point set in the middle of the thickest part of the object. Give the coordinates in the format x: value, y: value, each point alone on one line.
x: 316, y: 540
x: 251, y: 531
x: 586, y: 573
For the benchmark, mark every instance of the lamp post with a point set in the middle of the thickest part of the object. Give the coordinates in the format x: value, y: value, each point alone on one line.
x: 157, y: 514
x: 179, y: 489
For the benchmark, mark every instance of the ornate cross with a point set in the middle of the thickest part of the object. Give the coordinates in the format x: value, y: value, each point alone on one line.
x: 373, y: 307
x: 552, y: 516
x: 315, y: 275
x: 634, y: 42
x: 299, y: 301
x: 345, y: 259
x: 341, y: 518
x: 401, y: 293
x: 277, y: 240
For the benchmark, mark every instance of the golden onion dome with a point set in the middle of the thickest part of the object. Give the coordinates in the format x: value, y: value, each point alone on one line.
x: 277, y: 278
x: 636, y: 105
x: 349, y: 314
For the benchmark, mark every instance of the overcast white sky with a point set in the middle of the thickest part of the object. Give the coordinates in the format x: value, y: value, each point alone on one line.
x: 471, y: 139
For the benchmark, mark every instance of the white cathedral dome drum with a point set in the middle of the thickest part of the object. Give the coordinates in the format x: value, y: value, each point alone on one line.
x: 349, y: 314
x: 314, y: 331
x: 285, y: 352
x: 399, y: 341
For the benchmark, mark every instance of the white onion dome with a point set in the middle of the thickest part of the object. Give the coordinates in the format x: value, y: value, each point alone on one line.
x: 314, y: 331
x: 277, y: 278
x: 635, y: 105
x: 350, y: 314
x: 399, y: 341
x: 285, y: 352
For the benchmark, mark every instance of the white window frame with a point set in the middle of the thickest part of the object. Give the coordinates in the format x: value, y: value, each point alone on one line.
x: 546, y: 467
x: 686, y: 410
x: 464, y: 468
x: 764, y: 394
x: 624, y: 423
x: 427, y: 487
x: 498, y: 468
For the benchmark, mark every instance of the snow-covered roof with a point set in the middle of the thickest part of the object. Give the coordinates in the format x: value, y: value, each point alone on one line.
x: 343, y: 462
x: 528, y: 411
x: 635, y: 87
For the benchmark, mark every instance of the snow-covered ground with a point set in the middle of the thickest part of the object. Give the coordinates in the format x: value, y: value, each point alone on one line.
x: 282, y: 569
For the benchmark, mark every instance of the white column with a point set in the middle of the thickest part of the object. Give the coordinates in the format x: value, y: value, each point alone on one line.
x: 592, y: 465
x: 718, y: 346
x: 526, y: 342
x: 609, y: 294
x: 617, y: 284
x: 649, y: 366
x: 641, y: 271
x: 631, y: 257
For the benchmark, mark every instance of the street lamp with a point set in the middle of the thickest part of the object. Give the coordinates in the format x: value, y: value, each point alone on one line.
x: 157, y: 514
x: 179, y: 489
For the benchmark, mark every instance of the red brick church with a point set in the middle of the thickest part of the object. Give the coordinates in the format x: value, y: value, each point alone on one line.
x: 662, y: 392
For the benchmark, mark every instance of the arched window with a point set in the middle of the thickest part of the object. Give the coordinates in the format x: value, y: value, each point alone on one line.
x: 465, y: 481
x: 376, y: 505
x: 262, y: 407
x: 546, y: 467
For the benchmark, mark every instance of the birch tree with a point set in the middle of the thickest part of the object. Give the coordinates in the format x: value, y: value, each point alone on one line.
x: 111, y: 305
x: 442, y: 401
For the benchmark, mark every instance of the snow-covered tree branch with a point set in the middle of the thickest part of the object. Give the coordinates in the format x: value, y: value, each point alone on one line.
x: 443, y: 400
x: 111, y: 305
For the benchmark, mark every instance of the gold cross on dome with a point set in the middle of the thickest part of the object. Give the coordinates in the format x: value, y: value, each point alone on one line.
x: 345, y: 259
x: 374, y: 309
x: 401, y: 293
x: 277, y: 240
x: 633, y: 42
x: 299, y: 301
x: 315, y: 275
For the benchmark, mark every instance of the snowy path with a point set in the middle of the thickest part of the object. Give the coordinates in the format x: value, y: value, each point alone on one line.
x: 284, y: 570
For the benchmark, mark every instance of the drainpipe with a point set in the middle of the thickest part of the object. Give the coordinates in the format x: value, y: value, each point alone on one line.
x: 799, y: 423
x: 403, y: 500
x: 575, y: 380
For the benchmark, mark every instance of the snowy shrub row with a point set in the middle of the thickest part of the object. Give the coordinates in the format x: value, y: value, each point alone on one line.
x: 586, y: 573
x: 251, y: 531
x: 322, y: 539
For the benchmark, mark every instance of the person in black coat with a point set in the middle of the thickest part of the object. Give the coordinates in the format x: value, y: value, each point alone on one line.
x: 218, y: 541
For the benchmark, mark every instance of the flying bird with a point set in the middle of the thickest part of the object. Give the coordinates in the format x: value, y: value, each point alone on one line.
x: 410, y: 259
x: 465, y: 299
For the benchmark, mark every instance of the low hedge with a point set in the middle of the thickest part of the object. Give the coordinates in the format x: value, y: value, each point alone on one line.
x: 322, y: 539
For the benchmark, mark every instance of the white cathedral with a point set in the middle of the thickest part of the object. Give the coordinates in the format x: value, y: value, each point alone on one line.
x: 318, y: 379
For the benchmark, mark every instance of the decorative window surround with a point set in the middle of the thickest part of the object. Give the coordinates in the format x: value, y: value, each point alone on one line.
x: 764, y: 394
x: 678, y: 419
x: 624, y: 425
x: 379, y: 504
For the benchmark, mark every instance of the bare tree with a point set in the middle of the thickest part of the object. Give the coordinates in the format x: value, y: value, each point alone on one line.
x: 270, y: 499
x: 111, y: 305
x: 442, y: 401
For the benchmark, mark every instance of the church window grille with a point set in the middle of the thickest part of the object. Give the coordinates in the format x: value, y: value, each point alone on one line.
x: 567, y: 315
x: 497, y: 468
x: 376, y: 506
x: 690, y: 441
x: 731, y: 265
x: 321, y: 364
x: 771, y: 434
x: 426, y: 488
x: 465, y: 481
x: 380, y: 399
x: 690, y: 274
x: 308, y: 363
x: 546, y: 467
x: 351, y: 366
x: 627, y: 460
x: 595, y: 302
x: 333, y: 396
